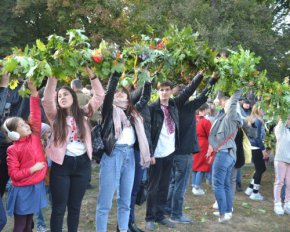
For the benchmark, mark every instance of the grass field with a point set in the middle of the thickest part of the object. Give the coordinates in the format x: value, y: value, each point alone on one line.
x: 249, y: 216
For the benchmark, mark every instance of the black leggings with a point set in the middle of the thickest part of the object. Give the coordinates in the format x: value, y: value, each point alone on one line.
x: 68, y: 183
x: 260, y: 167
x: 23, y: 223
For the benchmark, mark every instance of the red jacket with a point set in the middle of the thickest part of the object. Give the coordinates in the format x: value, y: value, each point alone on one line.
x: 203, y: 126
x: 26, y: 151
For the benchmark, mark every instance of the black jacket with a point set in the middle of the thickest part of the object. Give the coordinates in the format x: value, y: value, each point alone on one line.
x: 187, y: 121
x: 108, y: 130
x: 175, y: 105
x: 140, y: 99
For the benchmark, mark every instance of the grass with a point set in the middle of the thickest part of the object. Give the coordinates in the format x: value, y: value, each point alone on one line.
x: 249, y: 216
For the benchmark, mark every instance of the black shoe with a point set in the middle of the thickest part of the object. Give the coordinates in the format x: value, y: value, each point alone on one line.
x: 133, y: 228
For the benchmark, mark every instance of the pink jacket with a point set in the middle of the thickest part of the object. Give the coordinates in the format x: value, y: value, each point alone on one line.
x: 57, y: 153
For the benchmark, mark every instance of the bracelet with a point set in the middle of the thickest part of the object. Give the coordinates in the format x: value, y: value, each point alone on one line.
x: 94, y: 77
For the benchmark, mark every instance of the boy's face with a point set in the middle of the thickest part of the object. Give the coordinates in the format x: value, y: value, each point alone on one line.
x: 164, y: 93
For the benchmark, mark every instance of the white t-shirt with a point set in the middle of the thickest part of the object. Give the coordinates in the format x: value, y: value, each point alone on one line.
x: 166, y: 143
x: 127, y: 136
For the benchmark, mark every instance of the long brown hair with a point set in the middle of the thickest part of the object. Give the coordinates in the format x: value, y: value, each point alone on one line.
x: 60, y: 126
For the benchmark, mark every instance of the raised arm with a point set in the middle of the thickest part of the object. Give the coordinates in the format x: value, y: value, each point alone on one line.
x: 49, y: 101
x: 35, y: 112
x: 135, y: 95
x: 189, y: 90
x: 145, y: 97
x: 278, y: 130
x: 202, y: 97
x: 232, y: 111
x: 109, y: 97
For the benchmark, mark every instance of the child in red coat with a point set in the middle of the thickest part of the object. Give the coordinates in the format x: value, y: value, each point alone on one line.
x: 26, y: 166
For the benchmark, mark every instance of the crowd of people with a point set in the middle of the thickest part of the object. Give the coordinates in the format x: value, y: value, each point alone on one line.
x: 46, y: 150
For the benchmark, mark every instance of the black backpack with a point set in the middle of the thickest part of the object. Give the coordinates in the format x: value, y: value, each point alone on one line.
x: 97, y: 142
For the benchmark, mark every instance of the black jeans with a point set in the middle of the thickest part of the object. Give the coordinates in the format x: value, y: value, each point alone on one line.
x: 4, y: 177
x: 68, y: 183
x: 260, y: 167
x: 158, y: 185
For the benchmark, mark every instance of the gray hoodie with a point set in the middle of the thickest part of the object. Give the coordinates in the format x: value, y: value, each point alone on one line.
x: 226, y: 125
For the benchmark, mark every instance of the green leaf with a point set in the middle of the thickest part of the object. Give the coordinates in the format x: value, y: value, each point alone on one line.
x: 10, y: 65
x: 40, y: 45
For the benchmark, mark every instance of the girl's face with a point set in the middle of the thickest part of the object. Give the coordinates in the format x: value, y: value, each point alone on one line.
x: 121, y: 95
x: 23, y: 128
x: 64, y: 98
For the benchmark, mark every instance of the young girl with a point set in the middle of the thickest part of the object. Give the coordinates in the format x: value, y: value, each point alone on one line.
x: 200, y: 165
x: 282, y: 166
x: 117, y: 165
x: 26, y: 166
x: 69, y: 148
x: 256, y: 132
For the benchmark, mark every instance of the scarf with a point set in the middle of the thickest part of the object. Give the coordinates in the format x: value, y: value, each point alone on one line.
x: 169, y: 123
x: 120, y: 119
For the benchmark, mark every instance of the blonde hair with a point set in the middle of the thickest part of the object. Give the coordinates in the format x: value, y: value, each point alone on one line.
x: 255, y: 114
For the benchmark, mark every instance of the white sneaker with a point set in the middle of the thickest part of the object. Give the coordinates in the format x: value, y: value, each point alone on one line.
x: 226, y: 218
x: 256, y: 197
x: 215, y: 205
x: 278, y: 209
x: 197, y: 192
x: 287, y: 207
x: 217, y: 214
x: 248, y: 191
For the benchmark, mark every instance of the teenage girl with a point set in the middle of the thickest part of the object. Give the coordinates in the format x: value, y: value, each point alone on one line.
x: 69, y: 148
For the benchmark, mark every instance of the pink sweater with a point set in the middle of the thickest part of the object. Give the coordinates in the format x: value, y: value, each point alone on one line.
x: 57, y: 153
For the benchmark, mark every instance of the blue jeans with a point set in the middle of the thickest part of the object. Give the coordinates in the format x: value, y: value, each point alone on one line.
x: 222, y: 168
x: 181, y: 169
x: 197, y: 179
x: 116, y: 174
x: 3, y: 218
x: 137, y: 181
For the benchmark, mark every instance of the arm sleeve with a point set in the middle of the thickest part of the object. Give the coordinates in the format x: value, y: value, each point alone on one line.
x: 135, y: 95
x: 232, y: 111
x: 49, y: 101
x: 35, y: 115
x: 202, y: 97
x: 109, y: 97
x: 278, y: 130
x: 188, y: 91
x: 98, y: 96
x: 145, y: 97
x: 259, y: 135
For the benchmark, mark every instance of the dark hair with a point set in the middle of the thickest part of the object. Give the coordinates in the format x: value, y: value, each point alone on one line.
x: 59, y: 125
x: 165, y: 84
x: 177, y: 89
x: 203, y: 107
